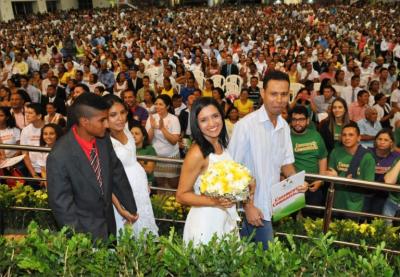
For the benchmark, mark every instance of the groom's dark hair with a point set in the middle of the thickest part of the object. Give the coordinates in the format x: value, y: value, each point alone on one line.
x: 85, y: 106
x: 205, y: 146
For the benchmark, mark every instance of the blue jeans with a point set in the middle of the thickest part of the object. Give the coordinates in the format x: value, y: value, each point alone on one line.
x: 390, y: 209
x: 262, y: 234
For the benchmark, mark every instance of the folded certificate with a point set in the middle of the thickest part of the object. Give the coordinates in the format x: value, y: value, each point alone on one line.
x: 285, y: 197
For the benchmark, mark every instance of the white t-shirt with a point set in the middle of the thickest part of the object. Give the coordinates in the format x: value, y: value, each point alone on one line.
x: 10, y: 136
x: 160, y: 143
x: 396, y: 97
x: 31, y: 136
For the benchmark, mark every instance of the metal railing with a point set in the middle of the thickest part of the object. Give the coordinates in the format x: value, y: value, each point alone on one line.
x: 328, y: 208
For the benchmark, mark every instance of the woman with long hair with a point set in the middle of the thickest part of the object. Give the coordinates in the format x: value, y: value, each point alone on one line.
x: 331, y: 127
x: 125, y: 148
x: 385, y: 157
x: 208, y: 216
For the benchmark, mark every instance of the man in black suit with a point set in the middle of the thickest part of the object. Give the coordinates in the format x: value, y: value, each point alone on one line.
x: 229, y: 68
x: 84, y: 175
x: 60, y: 91
x: 320, y: 65
x: 134, y: 83
x: 51, y: 97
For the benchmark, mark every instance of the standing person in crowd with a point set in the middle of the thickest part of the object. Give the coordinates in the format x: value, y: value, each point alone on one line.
x: 135, y: 111
x: 229, y: 68
x: 49, y: 134
x: 5, y: 95
x: 392, y: 204
x: 164, y: 130
x: 331, y: 127
x: 134, y: 82
x: 255, y: 138
x: 52, y: 116
x: 9, y: 133
x: 357, y: 108
x: 244, y: 104
x: 34, y: 93
x: 369, y: 127
x: 385, y: 157
x: 121, y: 84
x: 83, y: 172
x: 125, y: 148
x: 349, y: 93
x: 208, y: 216
x: 144, y: 148
x: 351, y: 161
x: 385, y: 112
x: 310, y: 154
x: 30, y: 135
x: 146, y: 87
x: 208, y: 88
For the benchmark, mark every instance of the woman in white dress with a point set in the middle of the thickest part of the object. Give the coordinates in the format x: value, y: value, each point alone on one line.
x: 125, y: 148
x: 208, y: 216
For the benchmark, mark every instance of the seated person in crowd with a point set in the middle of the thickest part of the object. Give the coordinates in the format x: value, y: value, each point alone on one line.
x: 322, y: 102
x: 357, y: 108
x: 369, y: 127
x: 244, y: 104
x: 188, y: 89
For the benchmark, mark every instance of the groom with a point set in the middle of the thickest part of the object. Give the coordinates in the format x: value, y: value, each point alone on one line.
x: 83, y: 172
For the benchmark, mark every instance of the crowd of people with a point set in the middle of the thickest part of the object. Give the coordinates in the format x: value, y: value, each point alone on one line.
x: 344, y: 62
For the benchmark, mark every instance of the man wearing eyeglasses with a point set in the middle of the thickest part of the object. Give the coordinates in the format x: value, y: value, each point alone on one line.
x: 310, y: 154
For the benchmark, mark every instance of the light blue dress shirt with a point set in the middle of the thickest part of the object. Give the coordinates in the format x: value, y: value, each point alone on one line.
x: 263, y: 149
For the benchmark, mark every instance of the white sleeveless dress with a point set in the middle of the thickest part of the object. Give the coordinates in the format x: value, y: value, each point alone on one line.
x: 139, y: 184
x: 204, y: 222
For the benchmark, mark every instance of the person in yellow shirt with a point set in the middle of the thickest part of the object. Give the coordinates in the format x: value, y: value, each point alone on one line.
x: 168, y: 89
x: 69, y: 74
x: 20, y: 66
x: 244, y: 104
x: 208, y: 88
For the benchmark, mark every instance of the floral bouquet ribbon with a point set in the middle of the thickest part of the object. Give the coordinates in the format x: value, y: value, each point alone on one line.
x: 227, y: 179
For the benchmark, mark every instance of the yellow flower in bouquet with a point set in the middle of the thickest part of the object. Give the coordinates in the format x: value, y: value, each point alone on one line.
x: 227, y: 179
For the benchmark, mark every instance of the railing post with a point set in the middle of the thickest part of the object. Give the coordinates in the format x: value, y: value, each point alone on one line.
x: 328, y: 207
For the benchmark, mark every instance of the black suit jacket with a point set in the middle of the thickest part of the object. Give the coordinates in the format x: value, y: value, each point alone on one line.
x: 61, y: 93
x: 184, y: 120
x: 234, y: 70
x: 320, y: 67
x: 139, y: 84
x: 58, y: 103
x: 74, y: 194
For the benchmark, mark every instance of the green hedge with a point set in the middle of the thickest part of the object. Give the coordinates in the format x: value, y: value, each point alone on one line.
x: 43, y: 253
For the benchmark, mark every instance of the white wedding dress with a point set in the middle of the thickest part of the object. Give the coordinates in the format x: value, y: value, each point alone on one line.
x: 139, y: 184
x: 204, y: 222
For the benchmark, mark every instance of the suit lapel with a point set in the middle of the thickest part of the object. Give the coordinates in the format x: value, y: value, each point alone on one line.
x: 83, y: 163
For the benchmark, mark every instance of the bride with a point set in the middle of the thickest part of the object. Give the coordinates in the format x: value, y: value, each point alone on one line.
x: 125, y: 148
x: 208, y: 216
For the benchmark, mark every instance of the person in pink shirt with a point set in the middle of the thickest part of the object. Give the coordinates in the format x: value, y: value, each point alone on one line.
x: 357, y: 108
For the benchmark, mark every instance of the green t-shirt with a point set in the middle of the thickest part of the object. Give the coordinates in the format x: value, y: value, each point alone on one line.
x: 336, y: 135
x: 350, y: 198
x: 147, y: 151
x: 308, y: 149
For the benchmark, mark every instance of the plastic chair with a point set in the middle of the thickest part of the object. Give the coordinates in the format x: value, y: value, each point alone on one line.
x: 219, y: 81
x: 232, y: 89
x: 236, y: 79
x: 317, y: 86
x: 200, y: 81
x: 198, y: 73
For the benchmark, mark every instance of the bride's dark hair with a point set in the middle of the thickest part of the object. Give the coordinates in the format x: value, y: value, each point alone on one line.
x: 205, y: 146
